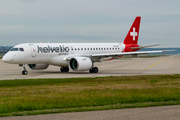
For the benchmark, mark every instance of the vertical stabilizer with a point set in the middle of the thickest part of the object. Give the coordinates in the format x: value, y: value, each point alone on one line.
x: 133, y: 34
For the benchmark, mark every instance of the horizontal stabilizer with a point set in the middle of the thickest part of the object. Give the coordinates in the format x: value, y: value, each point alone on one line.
x: 140, y: 47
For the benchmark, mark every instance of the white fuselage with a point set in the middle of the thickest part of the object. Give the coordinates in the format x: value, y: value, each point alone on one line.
x: 56, y: 53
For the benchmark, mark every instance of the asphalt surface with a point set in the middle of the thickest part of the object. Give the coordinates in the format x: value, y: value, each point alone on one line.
x: 131, y: 66
x: 150, y: 113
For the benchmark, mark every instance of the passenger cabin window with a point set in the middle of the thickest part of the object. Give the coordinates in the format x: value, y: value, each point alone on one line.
x: 21, y: 49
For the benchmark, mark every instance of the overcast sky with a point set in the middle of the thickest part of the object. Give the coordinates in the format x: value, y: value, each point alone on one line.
x: 34, y: 21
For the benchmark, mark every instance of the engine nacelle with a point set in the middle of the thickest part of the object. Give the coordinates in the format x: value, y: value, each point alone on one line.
x: 38, y: 66
x: 80, y: 63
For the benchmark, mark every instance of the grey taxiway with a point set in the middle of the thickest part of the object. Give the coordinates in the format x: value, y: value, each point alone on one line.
x: 150, y: 113
x: 128, y: 66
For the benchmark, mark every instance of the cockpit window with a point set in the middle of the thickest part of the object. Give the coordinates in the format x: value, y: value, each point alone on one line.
x: 14, y: 49
x: 17, y: 49
x: 21, y: 49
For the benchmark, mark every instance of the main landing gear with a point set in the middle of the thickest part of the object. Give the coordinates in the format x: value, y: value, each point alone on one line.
x: 24, y: 72
x: 93, y: 70
x: 64, y: 69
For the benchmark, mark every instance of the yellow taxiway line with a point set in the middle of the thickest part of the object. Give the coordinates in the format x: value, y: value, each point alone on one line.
x: 156, y: 63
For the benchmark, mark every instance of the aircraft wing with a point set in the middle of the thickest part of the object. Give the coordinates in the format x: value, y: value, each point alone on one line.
x: 115, y: 55
x: 126, y: 53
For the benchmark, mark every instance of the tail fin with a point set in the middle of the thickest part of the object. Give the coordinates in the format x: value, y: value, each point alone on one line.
x: 132, y: 36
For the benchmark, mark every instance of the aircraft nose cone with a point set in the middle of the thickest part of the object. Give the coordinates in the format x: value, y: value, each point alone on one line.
x: 5, y: 58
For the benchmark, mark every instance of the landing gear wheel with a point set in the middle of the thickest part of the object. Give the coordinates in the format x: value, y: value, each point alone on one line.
x: 64, y: 69
x: 93, y: 70
x: 24, y: 72
x: 90, y: 70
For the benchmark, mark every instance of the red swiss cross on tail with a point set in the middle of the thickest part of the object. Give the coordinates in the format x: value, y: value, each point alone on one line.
x: 132, y: 36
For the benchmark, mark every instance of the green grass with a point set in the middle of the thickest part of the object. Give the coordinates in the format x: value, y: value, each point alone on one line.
x: 25, y: 97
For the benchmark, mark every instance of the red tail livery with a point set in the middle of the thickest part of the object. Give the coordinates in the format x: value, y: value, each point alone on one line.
x: 132, y: 36
x: 131, y: 39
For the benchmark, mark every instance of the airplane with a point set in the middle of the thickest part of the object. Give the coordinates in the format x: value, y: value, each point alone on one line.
x: 74, y: 56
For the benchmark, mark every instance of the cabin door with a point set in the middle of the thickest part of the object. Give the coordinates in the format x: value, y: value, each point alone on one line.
x: 33, y: 50
x: 72, y: 50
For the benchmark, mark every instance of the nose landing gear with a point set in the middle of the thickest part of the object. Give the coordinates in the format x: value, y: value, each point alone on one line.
x: 24, y: 72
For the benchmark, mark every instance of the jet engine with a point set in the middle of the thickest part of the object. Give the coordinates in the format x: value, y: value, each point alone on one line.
x: 38, y: 66
x: 80, y: 63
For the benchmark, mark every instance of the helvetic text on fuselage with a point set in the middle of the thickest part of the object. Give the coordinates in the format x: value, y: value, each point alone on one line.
x: 49, y: 49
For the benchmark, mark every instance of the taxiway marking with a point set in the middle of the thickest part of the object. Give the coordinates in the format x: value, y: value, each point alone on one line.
x: 156, y: 63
